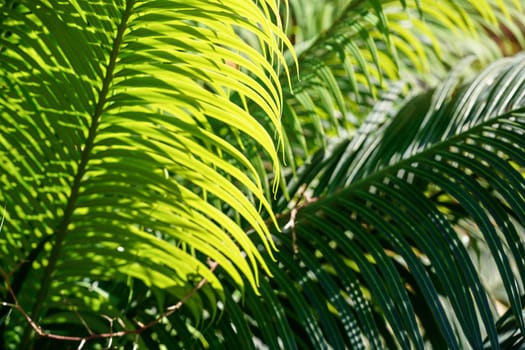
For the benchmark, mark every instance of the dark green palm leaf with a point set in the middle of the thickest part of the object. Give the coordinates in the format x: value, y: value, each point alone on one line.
x: 379, y: 262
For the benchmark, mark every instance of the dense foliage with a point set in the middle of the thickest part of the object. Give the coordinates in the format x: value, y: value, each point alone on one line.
x: 262, y: 174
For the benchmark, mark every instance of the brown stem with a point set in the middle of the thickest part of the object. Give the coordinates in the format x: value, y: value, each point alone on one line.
x: 142, y: 327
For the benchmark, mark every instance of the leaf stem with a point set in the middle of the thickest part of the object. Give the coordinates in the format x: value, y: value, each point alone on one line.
x: 61, y: 233
x: 36, y: 328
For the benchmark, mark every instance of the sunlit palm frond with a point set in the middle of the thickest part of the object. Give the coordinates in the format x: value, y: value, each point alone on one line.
x: 121, y: 149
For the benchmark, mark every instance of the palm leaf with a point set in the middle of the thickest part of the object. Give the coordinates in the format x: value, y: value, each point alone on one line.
x: 368, y: 45
x: 121, y: 148
x: 379, y: 260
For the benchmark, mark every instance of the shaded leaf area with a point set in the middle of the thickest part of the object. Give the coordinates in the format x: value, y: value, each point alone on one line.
x: 124, y: 306
x: 115, y: 164
x: 379, y: 260
x: 361, y: 47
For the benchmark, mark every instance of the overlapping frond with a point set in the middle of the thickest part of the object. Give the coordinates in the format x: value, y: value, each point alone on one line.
x: 375, y: 254
x: 371, y: 43
x: 122, y: 149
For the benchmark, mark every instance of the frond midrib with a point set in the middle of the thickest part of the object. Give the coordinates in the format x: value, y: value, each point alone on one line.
x: 401, y: 164
x: 61, y: 232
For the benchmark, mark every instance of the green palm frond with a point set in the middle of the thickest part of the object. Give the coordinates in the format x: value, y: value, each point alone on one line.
x: 307, y: 20
x: 122, y: 149
x: 370, y: 44
x: 377, y: 260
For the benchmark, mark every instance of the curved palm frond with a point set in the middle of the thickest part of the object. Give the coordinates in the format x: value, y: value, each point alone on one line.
x: 379, y: 260
x: 120, y: 135
x: 369, y: 45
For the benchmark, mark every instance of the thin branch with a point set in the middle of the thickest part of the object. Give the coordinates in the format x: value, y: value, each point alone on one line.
x: 137, y: 331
